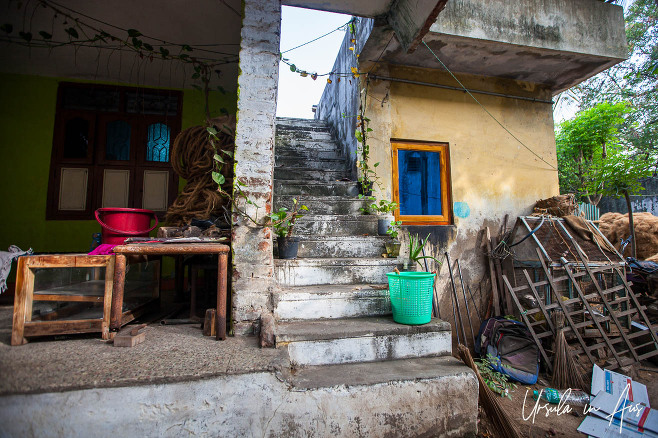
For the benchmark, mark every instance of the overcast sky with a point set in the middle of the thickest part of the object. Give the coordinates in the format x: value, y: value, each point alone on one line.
x: 297, y: 94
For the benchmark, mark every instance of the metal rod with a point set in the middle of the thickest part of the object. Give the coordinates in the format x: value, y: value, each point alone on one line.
x: 454, y: 292
x: 448, y: 87
x: 435, y: 298
x: 468, y: 310
x: 477, y: 309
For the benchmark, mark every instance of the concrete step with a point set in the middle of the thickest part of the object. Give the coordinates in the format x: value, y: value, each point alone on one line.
x: 301, y: 187
x: 307, y: 272
x: 331, y: 301
x: 430, y: 396
x: 343, y: 246
x: 310, y: 175
x: 336, y: 225
x: 290, y: 123
x: 311, y: 163
x: 352, y: 340
x: 292, y: 143
x: 323, y: 205
x: 302, y: 153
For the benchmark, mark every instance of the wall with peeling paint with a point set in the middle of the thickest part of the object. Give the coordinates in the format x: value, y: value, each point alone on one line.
x: 492, y: 174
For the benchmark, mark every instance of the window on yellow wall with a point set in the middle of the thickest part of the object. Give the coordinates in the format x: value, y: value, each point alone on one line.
x: 421, y: 182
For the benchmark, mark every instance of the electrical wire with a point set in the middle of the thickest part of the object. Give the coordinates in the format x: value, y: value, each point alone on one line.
x: 50, y: 4
x: 487, y: 111
x: 342, y: 26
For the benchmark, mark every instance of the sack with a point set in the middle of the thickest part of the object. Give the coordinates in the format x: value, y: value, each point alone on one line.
x: 514, y: 351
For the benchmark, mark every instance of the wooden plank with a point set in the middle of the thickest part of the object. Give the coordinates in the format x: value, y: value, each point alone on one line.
x: 492, y: 273
x: 116, y: 309
x: 172, y: 248
x: 24, y: 277
x: 131, y: 315
x: 507, y: 266
x: 610, y: 310
x: 67, y: 298
x: 592, y: 315
x: 552, y: 288
x: 222, y: 290
x: 539, y: 301
x: 522, y: 312
x: 62, y: 327
x: 210, y: 323
x: 637, y: 305
x: 67, y: 261
x: 107, y: 298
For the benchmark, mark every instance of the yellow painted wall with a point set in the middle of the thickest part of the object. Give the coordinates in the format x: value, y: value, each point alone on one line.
x: 492, y: 173
x: 27, y: 117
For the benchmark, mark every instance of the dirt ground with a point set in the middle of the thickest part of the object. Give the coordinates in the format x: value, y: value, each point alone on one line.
x: 564, y: 425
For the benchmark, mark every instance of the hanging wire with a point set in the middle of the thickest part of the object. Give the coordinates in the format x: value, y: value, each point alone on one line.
x: 486, y: 110
x: 342, y: 26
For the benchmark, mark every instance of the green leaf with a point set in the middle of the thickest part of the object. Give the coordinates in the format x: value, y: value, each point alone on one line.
x: 134, y: 33
x: 218, y: 178
x: 8, y: 28
x: 303, y: 207
x: 229, y: 153
x: 72, y: 32
x: 148, y: 47
x: 293, y: 68
x: 164, y: 52
x: 196, y: 76
x: 376, y: 164
x: 137, y: 42
x: 218, y: 157
x: 27, y: 36
x: 211, y: 130
x: 186, y: 47
x: 45, y: 35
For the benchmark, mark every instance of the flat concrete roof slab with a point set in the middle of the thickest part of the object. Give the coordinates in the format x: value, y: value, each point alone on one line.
x: 557, y: 43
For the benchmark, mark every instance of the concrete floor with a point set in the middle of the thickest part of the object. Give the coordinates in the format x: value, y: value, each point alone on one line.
x: 169, y: 354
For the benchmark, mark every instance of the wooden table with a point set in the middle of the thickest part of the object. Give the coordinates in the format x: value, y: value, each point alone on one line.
x: 171, y: 249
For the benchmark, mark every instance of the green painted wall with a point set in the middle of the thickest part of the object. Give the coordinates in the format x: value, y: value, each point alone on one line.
x: 27, y: 117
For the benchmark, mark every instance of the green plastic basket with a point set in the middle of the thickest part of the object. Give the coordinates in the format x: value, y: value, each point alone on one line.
x: 411, y: 296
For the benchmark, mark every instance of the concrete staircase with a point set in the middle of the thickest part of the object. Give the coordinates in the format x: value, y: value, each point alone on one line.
x: 332, y: 309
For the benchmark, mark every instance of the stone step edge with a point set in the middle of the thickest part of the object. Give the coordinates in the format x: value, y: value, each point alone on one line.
x: 381, y: 372
x: 320, y: 292
x: 332, y: 329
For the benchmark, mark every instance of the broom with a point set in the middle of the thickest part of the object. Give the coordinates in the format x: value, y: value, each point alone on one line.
x: 565, y: 371
x: 502, y: 424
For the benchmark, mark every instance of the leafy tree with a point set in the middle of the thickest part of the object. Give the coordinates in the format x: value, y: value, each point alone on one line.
x: 582, y: 146
x: 618, y: 175
x: 634, y: 81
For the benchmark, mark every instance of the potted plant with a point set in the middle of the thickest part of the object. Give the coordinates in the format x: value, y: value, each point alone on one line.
x: 384, y: 210
x: 283, y: 222
x: 393, y: 245
x: 416, y: 246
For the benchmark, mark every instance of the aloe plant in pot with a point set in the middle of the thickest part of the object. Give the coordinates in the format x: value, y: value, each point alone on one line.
x: 283, y: 222
x: 416, y: 253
